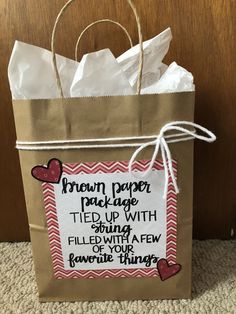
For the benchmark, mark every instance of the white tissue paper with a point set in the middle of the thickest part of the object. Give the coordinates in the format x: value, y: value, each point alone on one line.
x: 104, y: 73
x: 31, y: 73
x: 175, y: 78
x: 102, y: 64
x: 154, y: 51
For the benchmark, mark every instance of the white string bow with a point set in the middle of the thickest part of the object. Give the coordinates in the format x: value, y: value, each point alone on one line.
x: 160, y: 143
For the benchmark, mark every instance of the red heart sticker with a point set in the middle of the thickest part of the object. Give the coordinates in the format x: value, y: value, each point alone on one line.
x: 50, y: 173
x: 165, y: 270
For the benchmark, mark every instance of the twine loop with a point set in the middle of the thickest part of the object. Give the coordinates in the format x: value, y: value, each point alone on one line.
x: 161, y: 145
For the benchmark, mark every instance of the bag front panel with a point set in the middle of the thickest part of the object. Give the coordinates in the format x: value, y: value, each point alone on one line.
x: 142, y: 116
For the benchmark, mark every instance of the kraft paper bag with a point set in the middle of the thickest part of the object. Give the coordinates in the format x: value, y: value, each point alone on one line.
x: 118, y: 116
x: 101, y: 179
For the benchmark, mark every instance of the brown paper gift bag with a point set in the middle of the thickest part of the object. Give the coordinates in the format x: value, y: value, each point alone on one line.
x: 95, y: 171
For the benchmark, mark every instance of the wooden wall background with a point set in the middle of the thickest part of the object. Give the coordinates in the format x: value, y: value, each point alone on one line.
x: 204, y: 42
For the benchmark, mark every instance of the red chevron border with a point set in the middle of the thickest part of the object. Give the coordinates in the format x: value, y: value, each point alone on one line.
x: 107, y: 167
x: 171, y: 219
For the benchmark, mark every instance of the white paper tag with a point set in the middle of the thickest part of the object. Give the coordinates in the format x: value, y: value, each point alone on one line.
x: 103, y: 222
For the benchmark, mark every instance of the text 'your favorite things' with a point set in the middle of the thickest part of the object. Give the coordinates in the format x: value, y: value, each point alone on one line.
x: 108, y: 222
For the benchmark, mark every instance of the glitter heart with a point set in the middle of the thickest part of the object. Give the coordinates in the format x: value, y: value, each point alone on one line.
x: 50, y: 173
x: 165, y: 270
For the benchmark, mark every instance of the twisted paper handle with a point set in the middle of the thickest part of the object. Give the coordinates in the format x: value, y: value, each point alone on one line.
x: 98, y: 22
x: 54, y: 60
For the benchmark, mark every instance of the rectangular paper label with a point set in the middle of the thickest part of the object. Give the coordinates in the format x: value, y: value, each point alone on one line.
x: 105, y: 222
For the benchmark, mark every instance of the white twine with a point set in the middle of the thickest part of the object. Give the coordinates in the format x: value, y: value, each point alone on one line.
x: 160, y: 142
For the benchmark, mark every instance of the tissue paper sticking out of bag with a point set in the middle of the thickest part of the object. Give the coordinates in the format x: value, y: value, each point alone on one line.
x: 154, y: 51
x: 157, y: 77
x: 99, y: 74
x: 175, y: 78
x: 102, y: 64
x: 31, y: 74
